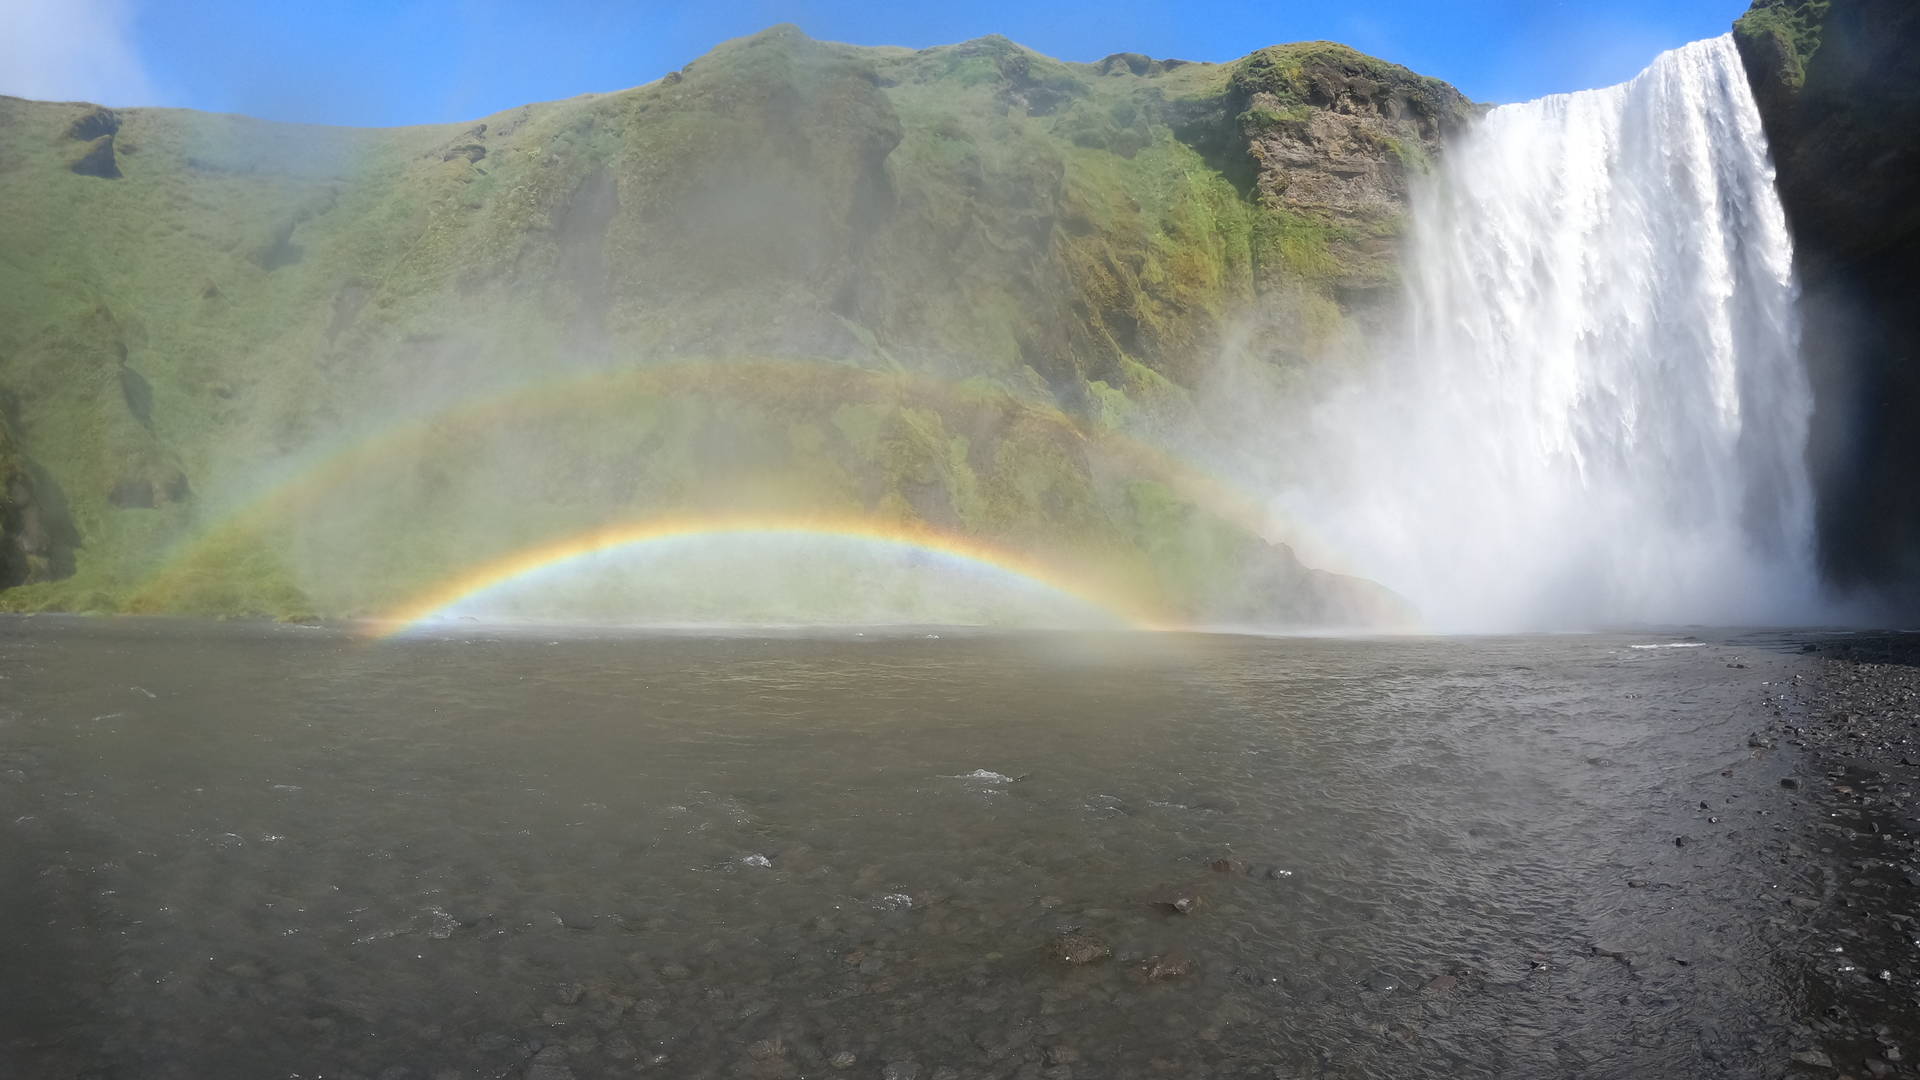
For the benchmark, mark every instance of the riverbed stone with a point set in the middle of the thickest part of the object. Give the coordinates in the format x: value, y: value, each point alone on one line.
x: 1081, y: 948
x: 1172, y: 965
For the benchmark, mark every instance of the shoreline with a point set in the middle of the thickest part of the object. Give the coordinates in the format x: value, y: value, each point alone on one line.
x: 1852, y: 715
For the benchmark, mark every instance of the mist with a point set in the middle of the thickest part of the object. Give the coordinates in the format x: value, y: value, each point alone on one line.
x: 1327, y: 362
x: 1595, y: 414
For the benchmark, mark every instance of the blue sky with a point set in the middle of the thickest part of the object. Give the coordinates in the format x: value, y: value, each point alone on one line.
x: 426, y: 61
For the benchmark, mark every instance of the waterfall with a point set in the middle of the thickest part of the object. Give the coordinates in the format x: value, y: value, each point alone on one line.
x: 1597, y: 415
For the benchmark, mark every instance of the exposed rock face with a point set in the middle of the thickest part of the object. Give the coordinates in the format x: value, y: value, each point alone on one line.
x: 97, y: 160
x: 1840, y: 95
x: 82, y: 405
x: 1335, y: 136
x: 95, y: 123
x: 96, y: 128
x: 36, y: 539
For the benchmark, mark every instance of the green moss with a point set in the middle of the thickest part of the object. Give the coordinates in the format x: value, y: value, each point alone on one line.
x: 1316, y: 72
x: 1791, y: 31
x: 1296, y: 245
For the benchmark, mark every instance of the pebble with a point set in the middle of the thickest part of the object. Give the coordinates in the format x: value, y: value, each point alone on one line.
x: 1181, y: 904
x: 900, y: 1070
x: 1813, y: 1059
x: 843, y: 1060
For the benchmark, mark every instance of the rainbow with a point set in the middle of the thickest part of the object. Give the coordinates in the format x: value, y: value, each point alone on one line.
x: 306, y: 482
x: 523, y: 563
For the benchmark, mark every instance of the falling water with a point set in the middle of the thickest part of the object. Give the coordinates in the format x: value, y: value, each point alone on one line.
x: 1598, y: 416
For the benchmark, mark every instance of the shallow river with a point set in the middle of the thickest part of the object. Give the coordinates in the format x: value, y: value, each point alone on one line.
x: 283, y: 851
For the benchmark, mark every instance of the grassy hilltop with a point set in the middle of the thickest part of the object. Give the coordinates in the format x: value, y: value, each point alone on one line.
x: 968, y: 288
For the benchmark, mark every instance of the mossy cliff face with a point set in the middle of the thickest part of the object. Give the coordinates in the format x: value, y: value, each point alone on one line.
x: 1839, y: 91
x: 969, y: 288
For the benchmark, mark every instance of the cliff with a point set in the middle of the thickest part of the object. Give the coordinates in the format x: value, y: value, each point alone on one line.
x: 1840, y: 95
x: 251, y: 367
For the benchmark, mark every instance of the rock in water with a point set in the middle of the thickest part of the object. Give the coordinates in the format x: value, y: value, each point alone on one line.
x: 1170, y: 966
x: 1081, y: 949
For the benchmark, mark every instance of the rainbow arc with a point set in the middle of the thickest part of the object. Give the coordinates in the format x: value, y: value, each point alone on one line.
x: 519, y: 565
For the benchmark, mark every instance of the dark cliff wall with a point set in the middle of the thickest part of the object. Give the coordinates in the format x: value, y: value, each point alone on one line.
x: 1839, y: 89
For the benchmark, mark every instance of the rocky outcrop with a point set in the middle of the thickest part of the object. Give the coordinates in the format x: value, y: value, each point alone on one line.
x: 36, y: 539
x: 1839, y: 93
x: 95, y: 130
x: 82, y: 405
x: 1335, y: 136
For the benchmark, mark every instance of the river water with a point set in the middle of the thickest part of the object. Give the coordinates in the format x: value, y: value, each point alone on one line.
x: 279, y: 851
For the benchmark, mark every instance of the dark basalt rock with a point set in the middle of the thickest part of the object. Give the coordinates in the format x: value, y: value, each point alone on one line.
x: 97, y: 160
x: 1839, y: 95
x: 101, y: 121
x: 36, y: 536
x: 1134, y: 63
x: 147, y: 489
